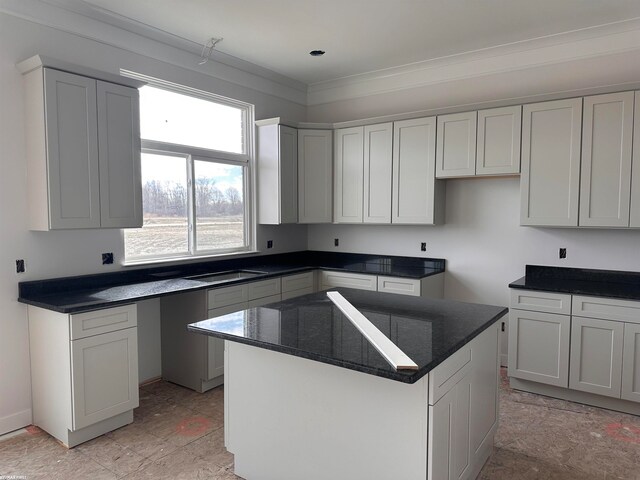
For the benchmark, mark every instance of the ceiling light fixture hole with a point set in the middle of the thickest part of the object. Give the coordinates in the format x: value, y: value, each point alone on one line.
x: 316, y: 53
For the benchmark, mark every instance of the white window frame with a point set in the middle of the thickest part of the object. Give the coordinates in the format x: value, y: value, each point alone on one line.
x: 191, y: 154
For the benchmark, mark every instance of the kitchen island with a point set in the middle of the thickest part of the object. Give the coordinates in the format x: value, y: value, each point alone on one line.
x: 307, y: 396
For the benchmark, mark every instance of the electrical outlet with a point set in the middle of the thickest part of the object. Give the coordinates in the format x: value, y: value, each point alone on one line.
x: 423, y: 247
x: 20, y: 267
x: 562, y: 253
x: 269, y: 243
x: 336, y: 242
x: 107, y: 258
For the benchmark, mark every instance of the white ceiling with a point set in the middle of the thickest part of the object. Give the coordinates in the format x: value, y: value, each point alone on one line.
x: 362, y: 36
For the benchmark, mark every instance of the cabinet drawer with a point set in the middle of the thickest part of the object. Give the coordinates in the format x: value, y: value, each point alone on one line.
x: 103, y: 321
x: 402, y: 286
x: 541, y: 301
x: 260, y: 302
x: 606, y: 308
x: 348, y: 280
x: 297, y: 282
x: 447, y: 374
x: 221, y: 297
x: 264, y: 288
x: 297, y: 293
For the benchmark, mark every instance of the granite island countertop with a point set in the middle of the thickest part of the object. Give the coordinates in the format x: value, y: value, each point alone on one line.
x: 580, y: 281
x: 428, y: 330
x: 91, y: 292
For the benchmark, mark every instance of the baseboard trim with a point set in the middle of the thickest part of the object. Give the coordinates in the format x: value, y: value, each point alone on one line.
x: 15, y: 421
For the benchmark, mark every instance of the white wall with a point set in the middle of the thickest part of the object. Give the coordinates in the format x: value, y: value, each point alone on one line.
x: 482, y: 241
x: 64, y: 253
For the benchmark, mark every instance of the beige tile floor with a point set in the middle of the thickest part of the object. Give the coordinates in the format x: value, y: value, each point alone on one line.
x: 178, y: 434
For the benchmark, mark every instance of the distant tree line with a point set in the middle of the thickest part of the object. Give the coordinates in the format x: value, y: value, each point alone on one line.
x: 170, y: 199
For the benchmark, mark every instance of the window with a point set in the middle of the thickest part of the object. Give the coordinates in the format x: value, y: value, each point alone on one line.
x: 196, y: 151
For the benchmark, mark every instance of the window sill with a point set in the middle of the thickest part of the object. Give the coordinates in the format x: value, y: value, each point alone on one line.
x: 188, y: 259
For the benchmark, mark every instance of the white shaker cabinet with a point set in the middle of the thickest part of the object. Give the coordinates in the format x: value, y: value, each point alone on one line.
x: 348, y: 175
x: 378, y: 158
x: 635, y: 170
x: 596, y: 356
x: 550, y: 181
x: 417, y: 197
x: 83, y: 149
x: 631, y: 362
x: 84, y: 371
x: 277, y: 173
x: 498, y: 142
x: 315, y: 193
x: 456, y: 145
x: 605, y: 180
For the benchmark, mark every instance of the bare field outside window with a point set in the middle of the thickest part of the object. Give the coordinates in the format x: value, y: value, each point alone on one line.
x: 167, y: 235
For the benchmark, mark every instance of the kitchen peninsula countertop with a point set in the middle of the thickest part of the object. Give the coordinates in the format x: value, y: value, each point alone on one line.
x: 581, y: 281
x: 428, y: 330
x: 91, y: 292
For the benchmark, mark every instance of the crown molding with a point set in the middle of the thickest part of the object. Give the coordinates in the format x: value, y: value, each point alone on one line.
x: 87, y: 21
x: 603, y: 40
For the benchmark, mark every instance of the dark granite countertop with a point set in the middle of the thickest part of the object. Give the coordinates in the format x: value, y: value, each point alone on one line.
x: 427, y: 330
x: 581, y: 281
x: 91, y: 292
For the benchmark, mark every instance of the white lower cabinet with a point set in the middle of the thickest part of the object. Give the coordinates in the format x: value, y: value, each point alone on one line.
x: 463, y: 409
x: 631, y: 363
x: 331, y: 279
x: 596, y: 356
x: 603, y: 366
x: 539, y: 347
x: 84, y: 371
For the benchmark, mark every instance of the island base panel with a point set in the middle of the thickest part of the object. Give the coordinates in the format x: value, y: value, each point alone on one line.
x: 291, y: 418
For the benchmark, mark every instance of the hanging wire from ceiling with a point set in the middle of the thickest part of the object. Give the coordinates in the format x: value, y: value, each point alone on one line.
x: 207, y: 49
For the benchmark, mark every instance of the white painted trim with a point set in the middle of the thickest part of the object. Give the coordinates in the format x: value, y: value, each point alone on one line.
x: 15, y: 421
x: 389, y: 350
x: 86, y: 21
x: 598, y: 41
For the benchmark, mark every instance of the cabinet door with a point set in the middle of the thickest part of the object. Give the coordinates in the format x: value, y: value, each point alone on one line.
x: 456, y: 154
x: 119, y: 154
x: 348, y: 175
x: 72, y: 150
x: 596, y: 356
x: 315, y: 196
x: 635, y: 170
x: 415, y: 190
x: 360, y: 281
x: 499, y: 134
x: 104, y: 376
x: 539, y: 347
x: 214, y: 359
x: 448, y: 454
x: 378, y: 157
x: 550, y: 178
x: 631, y: 363
x: 277, y: 174
x: 605, y: 178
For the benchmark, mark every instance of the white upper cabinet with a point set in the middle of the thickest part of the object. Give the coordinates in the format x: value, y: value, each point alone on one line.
x: 605, y: 185
x: 315, y: 193
x: 378, y: 157
x: 456, y: 150
x: 498, y: 143
x: 119, y: 156
x: 417, y: 197
x: 348, y: 175
x: 83, y: 150
x: 635, y: 170
x: 67, y: 194
x: 277, y: 174
x: 550, y: 181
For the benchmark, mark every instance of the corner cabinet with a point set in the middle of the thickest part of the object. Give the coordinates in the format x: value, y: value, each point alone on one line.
x: 83, y: 150
x: 417, y: 197
x: 277, y: 173
x: 315, y: 176
x: 84, y: 371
